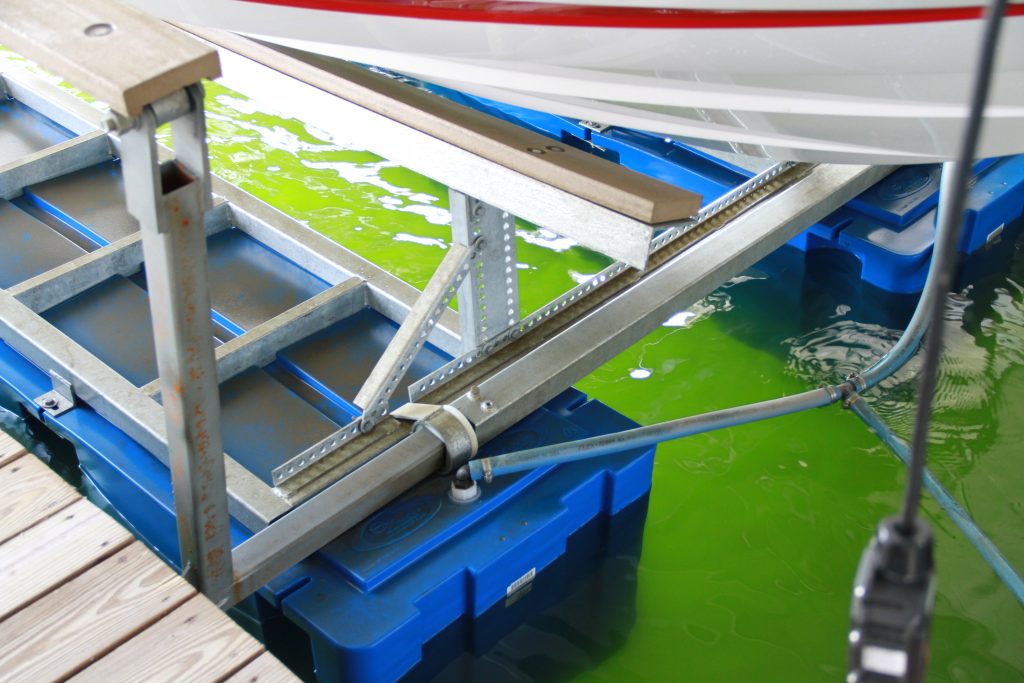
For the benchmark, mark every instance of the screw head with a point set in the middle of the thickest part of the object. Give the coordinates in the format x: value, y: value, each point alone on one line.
x: 50, y: 403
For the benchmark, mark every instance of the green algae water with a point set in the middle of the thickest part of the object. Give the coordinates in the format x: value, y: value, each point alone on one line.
x: 753, y: 533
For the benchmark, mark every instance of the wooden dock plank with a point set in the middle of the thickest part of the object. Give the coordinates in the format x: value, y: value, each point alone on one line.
x: 29, y: 493
x: 264, y: 669
x: 80, y: 597
x: 194, y: 642
x: 61, y: 633
x: 55, y: 551
x: 10, y: 450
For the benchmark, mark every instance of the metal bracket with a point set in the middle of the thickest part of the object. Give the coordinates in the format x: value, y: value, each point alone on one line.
x: 489, y: 295
x: 595, y: 126
x: 412, y: 334
x: 449, y: 425
x: 58, y: 400
x: 330, y: 443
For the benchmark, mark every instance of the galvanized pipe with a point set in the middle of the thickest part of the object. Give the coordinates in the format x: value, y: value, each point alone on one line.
x: 487, y: 468
x: 985, y: 547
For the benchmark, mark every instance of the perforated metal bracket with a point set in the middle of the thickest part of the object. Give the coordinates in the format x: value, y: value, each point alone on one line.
x: 58, y: 400
x: 394, y: 363
x: 449, y: 425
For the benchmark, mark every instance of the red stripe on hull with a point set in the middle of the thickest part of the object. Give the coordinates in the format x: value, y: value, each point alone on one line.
x: 539, y: 14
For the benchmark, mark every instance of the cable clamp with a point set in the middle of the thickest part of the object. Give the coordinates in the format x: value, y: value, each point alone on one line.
x: 858, y: 381
x: 449, y: 425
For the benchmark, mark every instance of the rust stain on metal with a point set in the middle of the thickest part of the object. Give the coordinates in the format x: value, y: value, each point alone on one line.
x: 215, y: 561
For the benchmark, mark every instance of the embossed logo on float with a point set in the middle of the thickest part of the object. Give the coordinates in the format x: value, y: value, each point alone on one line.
x: 397, y: 521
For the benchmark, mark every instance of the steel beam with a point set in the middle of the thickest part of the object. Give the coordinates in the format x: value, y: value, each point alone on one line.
x: 258, y: 346
x: 122, y: 257
x: 492, y: 178
x: 331, y: 262
x: 525, y: 384
x: 333, y: 511
x: 466, y: 362
x: 124, y: 405
x: 71, y: 155
x: 53, y: 103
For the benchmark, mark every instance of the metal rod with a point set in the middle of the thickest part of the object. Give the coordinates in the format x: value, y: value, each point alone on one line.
x: 641, y: 437
x: 945, y: 269
x: 169, y: 201
x: 985, y: 547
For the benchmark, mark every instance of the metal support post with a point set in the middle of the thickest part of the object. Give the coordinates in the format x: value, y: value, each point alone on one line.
x: 489, y: 297
x: 169, y: 200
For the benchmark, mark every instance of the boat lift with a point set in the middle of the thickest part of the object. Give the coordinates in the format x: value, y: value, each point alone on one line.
x: 670, y: 252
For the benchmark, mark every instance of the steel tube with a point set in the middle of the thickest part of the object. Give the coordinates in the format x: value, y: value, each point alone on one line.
x: 169, y: 201
x: 641, y: 437
x: 333, y: 511
x: 985, y: 547
x: 65, y: 157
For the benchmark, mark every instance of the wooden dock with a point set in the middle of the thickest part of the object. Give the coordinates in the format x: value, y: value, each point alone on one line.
x: 81, y: 599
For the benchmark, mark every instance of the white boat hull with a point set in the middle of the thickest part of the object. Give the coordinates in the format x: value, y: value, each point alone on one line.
x: 864, y: 93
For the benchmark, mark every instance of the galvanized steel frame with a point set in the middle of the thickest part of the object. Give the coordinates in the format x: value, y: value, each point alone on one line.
x: 522, y: 386
x: 545, y: 367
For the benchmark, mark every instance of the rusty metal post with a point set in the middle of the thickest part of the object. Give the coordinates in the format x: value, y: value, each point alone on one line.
x: 170, y: 199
